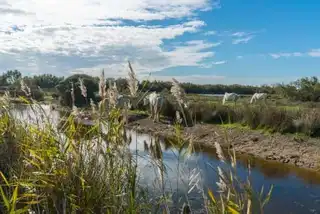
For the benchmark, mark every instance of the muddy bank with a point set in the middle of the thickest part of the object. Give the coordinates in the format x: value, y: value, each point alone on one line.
x: 302, y: 152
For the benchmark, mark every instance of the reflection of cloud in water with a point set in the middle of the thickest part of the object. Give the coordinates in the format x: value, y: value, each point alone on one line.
x: 288, y: 188
x: 37, y: 114
x: 148, y: 167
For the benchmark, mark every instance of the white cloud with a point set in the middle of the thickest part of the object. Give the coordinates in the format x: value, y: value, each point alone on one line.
x: 287, y: 55
x: 219, y: 62
x: 314, y: 53
x: 79, y: 12
x: 58, y: 37
x: 311, y: 53
x: 239, y: 57
x: 211, y: 64
x: 190, y: 54
x: 145, y: 60
x: 242, y: 37
x: 240, y: 40
x: 90, y: 40
x: 239, y: 34
x: 210, y: 33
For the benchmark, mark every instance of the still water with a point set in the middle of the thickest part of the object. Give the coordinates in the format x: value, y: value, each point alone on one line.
x: 295, y: 190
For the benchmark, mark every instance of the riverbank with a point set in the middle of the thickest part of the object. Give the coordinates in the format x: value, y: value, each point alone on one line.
x: 302, y: 152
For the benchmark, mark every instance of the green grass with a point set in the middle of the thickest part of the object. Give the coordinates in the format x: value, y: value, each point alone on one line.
x: 235, y: 125
x: 238, y: 126
x: 137, y: 111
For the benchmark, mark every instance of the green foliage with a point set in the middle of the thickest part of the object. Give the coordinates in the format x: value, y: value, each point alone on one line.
x: 55, y: 95
x: 205, y: 89
x: 47, y: 81
x: 304, y: 89
x: 64, y: 90
x: 10, y: 77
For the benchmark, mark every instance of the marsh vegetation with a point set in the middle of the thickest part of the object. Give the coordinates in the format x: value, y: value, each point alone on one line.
x: 76, y: 167
x: 87, y: 168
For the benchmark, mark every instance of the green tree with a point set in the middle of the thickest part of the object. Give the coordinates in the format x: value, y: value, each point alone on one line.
x: 304, y: 89
x: 47, y: 81
x: 12, y: 76
x: 308, y: 88
x: 64, y: 90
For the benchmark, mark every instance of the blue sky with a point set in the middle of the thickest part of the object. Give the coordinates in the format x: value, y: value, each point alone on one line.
x: 200, y: 41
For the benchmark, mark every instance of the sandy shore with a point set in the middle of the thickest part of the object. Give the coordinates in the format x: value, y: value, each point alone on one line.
x: 302, y: 152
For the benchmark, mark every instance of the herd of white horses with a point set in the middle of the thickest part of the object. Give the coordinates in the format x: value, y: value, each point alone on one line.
x: 156, y: 101
x: 234, y: 97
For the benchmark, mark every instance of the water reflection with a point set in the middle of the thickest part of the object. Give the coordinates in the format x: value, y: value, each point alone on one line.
x: 296, y: 190
x: 270, y: 169
x: 37, y: 114
x: 162, y: 166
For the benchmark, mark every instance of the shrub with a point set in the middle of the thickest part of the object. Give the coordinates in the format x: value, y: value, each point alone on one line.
x: 310, y: 123
x: 64, y: 89
x: 55, y: 96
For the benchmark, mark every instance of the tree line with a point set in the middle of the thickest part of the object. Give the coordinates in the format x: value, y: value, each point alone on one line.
x: 304, y: 89
x: 11, y: 79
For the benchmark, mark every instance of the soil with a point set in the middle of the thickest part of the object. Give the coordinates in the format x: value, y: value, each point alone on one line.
x: 303, y: 152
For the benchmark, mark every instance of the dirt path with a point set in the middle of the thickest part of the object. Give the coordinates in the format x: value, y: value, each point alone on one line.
x: 283, y: 148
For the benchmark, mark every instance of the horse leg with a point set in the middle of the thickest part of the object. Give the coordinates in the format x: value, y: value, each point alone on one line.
x: 150, y: 106
x: 154, y: 115
x: 158, y: 116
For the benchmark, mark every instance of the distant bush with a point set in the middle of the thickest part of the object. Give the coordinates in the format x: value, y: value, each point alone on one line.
x: 309, y: 123
x: 64, y: 89
x: 55, y: 95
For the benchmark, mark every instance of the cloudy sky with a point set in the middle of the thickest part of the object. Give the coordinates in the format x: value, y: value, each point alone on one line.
x: 201, y: 41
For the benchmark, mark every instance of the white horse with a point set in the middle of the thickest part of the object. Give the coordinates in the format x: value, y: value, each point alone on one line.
x: 123, y: 101
x: 230, y: 97
x: 258, y: 96
x: 155, y: 101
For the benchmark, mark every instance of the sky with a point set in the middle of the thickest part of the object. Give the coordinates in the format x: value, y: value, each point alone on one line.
x: 200, y: 41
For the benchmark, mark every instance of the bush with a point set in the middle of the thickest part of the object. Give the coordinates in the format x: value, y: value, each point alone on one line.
x: 64, y: 89
x: 55, y: 96
x: 309, y: 123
